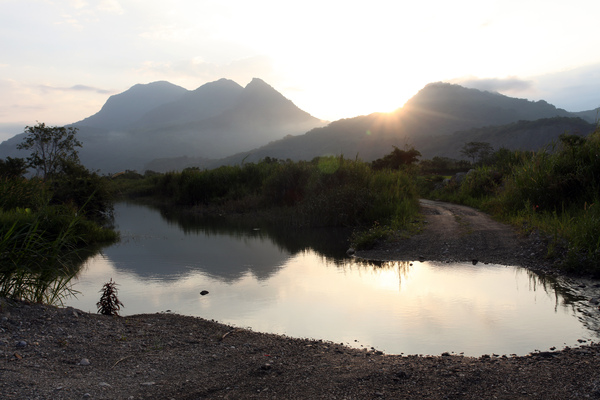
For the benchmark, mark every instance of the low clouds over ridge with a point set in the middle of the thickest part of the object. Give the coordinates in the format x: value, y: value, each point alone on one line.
x: 78, y: 88
x: 510, y: 84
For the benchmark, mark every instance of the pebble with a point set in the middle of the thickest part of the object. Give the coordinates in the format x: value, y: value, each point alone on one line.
x: 148, y: 383
x: 21, y: 343
x: 84, y: 362
x: 104, y: 384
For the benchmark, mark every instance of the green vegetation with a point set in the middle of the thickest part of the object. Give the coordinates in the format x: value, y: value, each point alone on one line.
x: 48, y: 224
x: 50, y: 148
x: 555, y: 191
x: 327, y: 191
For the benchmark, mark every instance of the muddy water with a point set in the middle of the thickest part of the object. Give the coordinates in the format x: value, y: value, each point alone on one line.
x: 301, y: 284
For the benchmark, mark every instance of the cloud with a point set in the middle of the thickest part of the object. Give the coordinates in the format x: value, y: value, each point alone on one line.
x: 111, y: 6
x: 511, y: 84
x: 91, y: 89
x: 576, y: 89
x: 76, y: 88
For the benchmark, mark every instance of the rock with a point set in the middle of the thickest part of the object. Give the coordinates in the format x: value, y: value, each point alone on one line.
x: 204, y: 292
x: 265, y: 367
x: 459, y: 177
x: 20, y: 344
x: 148, y: 383
x: 350, y: 251
x: 104, y: 384
x: 84, y: 362
x: 402, y: 375
x: 475, y: 261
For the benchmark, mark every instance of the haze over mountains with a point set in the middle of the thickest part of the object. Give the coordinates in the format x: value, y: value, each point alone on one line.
x: 161, y: 126
x: 164, y: 120
x: 437, y: 121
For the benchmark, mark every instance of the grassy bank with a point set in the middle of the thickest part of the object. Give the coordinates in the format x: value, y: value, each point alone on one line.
x: 555, y: 191
x: 43, y: 240
x: 327, y: 191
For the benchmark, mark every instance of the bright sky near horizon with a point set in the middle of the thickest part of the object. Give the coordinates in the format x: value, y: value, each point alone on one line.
x: 60, y: 60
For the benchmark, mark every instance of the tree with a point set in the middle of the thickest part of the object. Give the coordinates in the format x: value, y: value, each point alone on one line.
x: 12, y: 168
x: 50, y: 148
x: 477, y: 151
x: 396, y: 159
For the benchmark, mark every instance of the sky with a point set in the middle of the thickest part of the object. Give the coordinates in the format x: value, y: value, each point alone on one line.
x: 60, y: 60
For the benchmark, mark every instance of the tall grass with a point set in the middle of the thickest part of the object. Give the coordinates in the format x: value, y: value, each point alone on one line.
x: 40, y: 243
x: 36, y: 265
x: 555, y: 191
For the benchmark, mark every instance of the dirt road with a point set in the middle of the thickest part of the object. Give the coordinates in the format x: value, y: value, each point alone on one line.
x: 458, y: 233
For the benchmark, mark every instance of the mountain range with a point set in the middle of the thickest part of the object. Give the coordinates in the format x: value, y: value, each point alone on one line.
x: 159, y: 119
x: 161, y: 126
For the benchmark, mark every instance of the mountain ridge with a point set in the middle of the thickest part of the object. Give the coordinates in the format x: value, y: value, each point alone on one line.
x: 222, y: 122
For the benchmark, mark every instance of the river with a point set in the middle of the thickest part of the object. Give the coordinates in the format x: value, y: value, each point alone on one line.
x: 300, y: 283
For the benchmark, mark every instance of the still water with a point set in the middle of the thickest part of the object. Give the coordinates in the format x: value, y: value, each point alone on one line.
x: 301, y: 284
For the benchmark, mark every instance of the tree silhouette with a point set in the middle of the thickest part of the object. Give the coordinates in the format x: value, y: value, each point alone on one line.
x: 477, y: 151
x: 50, y: 147
x: 396, y: 159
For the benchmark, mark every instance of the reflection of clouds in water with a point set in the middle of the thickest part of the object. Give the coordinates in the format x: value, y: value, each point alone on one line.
x: 398, y: 307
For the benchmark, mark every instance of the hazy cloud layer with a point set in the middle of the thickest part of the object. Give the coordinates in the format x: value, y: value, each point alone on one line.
x: 510, y: 84
x: 78, y: 88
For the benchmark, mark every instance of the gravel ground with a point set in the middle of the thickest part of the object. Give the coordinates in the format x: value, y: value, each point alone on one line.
x: 63, y: 353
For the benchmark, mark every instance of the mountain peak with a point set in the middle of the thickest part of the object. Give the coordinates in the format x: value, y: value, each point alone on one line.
x: 258, y: 85
x: 222, y: 83
x: 476, y: 107
x: 121, y: 110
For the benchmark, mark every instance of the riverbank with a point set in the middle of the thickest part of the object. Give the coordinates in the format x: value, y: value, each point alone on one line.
x: 53, y: 353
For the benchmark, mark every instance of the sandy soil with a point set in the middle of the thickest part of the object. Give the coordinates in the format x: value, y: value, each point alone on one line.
x: 63, y: 353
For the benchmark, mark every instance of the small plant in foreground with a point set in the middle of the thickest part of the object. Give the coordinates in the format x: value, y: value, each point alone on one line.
x: 109, y: 303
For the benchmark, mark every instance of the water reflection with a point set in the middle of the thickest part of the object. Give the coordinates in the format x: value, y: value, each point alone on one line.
x: 277, y: 282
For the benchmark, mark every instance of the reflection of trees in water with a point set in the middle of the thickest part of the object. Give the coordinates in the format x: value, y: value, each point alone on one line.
x: 563, y: 295
x: 402, y: 268
x: 567, y: 294
x: 50, y: 283
x: 330, y: 243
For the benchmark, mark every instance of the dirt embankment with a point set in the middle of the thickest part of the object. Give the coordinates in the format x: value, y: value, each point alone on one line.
x: 51, y: 353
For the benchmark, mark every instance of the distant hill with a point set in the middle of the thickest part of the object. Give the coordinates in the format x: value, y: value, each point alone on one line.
x: 427, y: 121
x: 162, y: 127
x: 448, y: 108
x: 162, y: 120
x: 521, y: 135
x: 122, y: 110
x: 591, y: 116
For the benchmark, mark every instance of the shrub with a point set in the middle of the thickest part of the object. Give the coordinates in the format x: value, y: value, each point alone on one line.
x: 109, y: 303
